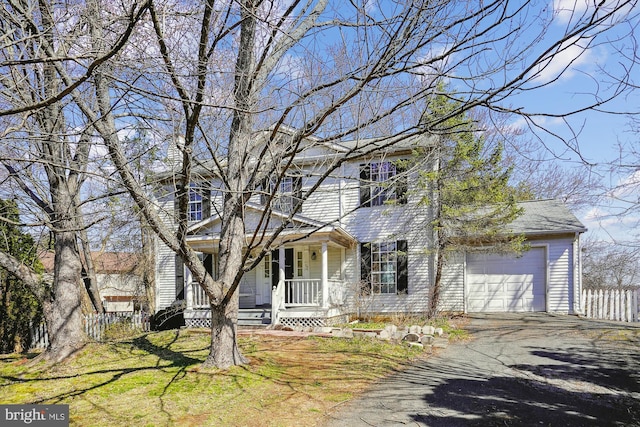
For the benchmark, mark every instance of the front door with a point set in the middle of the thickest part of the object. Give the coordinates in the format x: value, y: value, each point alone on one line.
x: 275, y: 265
x: 288, y: 270
x: 269, y: 274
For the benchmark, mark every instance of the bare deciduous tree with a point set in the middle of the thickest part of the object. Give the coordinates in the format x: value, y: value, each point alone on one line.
x: 607, y: 265
x: 46, y: 152
x: 245, y: 87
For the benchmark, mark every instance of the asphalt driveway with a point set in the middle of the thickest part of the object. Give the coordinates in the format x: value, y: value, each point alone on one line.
x: 527, y: 369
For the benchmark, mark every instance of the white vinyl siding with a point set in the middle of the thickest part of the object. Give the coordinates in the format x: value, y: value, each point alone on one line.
x: 452, y: 286
x: 561, y: 276
x: 324, y: 203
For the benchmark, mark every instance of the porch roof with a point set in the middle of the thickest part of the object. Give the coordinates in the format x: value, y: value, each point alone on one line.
x: 333, y: 235
x: 205, y: 234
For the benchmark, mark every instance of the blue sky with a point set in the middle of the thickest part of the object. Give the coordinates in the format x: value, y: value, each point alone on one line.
x: 588, y: 75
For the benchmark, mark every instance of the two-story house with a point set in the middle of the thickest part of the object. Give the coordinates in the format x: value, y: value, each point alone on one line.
x: 361, y: 242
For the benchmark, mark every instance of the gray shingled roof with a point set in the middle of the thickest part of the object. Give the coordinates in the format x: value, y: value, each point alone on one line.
x: 546, y: 217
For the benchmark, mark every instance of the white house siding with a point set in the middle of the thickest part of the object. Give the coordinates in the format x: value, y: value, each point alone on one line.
x: 334, y: 265
x: 560, y: 290
x: 248, y: 289
x: 165, y: 261
x: 324, y: 204
x: 452, y: 293
x: 402, y: 222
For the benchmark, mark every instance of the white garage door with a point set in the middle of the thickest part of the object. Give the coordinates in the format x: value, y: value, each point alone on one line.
x: 501, y: 283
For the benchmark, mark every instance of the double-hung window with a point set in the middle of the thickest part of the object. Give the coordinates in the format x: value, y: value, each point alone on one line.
x: 382, y: 183
x: 384, y: 267
x: 286, y: 194
x: 194, y: 210
x: 198, y: 204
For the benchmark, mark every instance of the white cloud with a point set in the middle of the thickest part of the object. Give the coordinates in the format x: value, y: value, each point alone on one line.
x: 608, y: 225
x: 628, y: 185
x: 573, y: 11
x: 569, y: 10
x: 564, y: 63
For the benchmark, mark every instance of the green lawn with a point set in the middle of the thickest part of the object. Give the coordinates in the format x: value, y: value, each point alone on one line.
x: 156, y: 379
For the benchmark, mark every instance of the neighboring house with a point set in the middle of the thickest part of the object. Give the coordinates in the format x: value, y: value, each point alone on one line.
x: 119, y: 281
x: 363, y: 230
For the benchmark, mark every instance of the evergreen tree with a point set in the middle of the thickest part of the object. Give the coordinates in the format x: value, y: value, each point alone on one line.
x: 19, y: 308
x: 468, y: 190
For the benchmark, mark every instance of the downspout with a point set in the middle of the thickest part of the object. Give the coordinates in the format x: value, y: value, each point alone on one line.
x: 577, y: 288
x: 340, y: 191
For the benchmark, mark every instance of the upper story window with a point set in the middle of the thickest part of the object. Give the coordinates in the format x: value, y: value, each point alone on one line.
x: 382, y: 183
x: 195, y: 209
x: 198, y: 204
x: 287, y: 194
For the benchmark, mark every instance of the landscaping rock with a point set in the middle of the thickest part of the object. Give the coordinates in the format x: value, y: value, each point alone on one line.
x: 391, y: 330
x: 428, y: 330
x: 438, y: 332
x: 415, y: 344
x: 426, y: 339
x: 337, y: 332
x: 415, y: 329
x: 411, y: 337
x: 399, y: 335
x: 385, y: 335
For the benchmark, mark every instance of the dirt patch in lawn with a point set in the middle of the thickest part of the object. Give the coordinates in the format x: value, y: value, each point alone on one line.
x: 157, y: 379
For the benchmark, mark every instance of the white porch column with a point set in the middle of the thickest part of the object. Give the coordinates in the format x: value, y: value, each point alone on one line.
x: 281, y: 263
x: 188, y: 288
x: 325, y: 276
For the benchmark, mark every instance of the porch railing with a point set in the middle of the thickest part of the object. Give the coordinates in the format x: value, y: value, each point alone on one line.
x: 200, y: 298
x: 303, y: 292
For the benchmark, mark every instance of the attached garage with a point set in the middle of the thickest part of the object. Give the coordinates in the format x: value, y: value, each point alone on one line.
x: 501, y: 283
x: 545, y: 278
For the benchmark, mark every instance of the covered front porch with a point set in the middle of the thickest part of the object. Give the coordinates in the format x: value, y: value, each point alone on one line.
x: 303, y: 282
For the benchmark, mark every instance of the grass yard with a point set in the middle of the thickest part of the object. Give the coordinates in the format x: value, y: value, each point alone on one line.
x: 157, y: 380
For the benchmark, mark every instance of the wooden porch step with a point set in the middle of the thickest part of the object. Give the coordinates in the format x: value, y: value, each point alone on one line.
x: 254, y: 316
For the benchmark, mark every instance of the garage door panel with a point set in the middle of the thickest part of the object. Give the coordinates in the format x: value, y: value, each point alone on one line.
x: 496, y: 305
x: 493, y: 289
x: 499, y: 283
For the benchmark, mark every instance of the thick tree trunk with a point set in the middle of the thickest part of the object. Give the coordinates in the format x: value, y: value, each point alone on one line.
x: 148, y: 265
x: 224, y: 351
x: 63, y: 313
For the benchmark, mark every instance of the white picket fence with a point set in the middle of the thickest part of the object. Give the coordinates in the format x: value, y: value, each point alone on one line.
x: 611, y: 304
x: 95, y: 325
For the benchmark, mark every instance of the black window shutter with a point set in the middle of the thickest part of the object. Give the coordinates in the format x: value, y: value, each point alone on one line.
x: 206, y: 201
x: 402, y: 266
x: 275, y: 267
x: 297, y: 190
x: 179, y: 275
x: 176, y: 200
x: 365, y: 268
x: 365, y: 185
x: 401, y: 185
x: 265, y: 189
x: 208, y: 264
